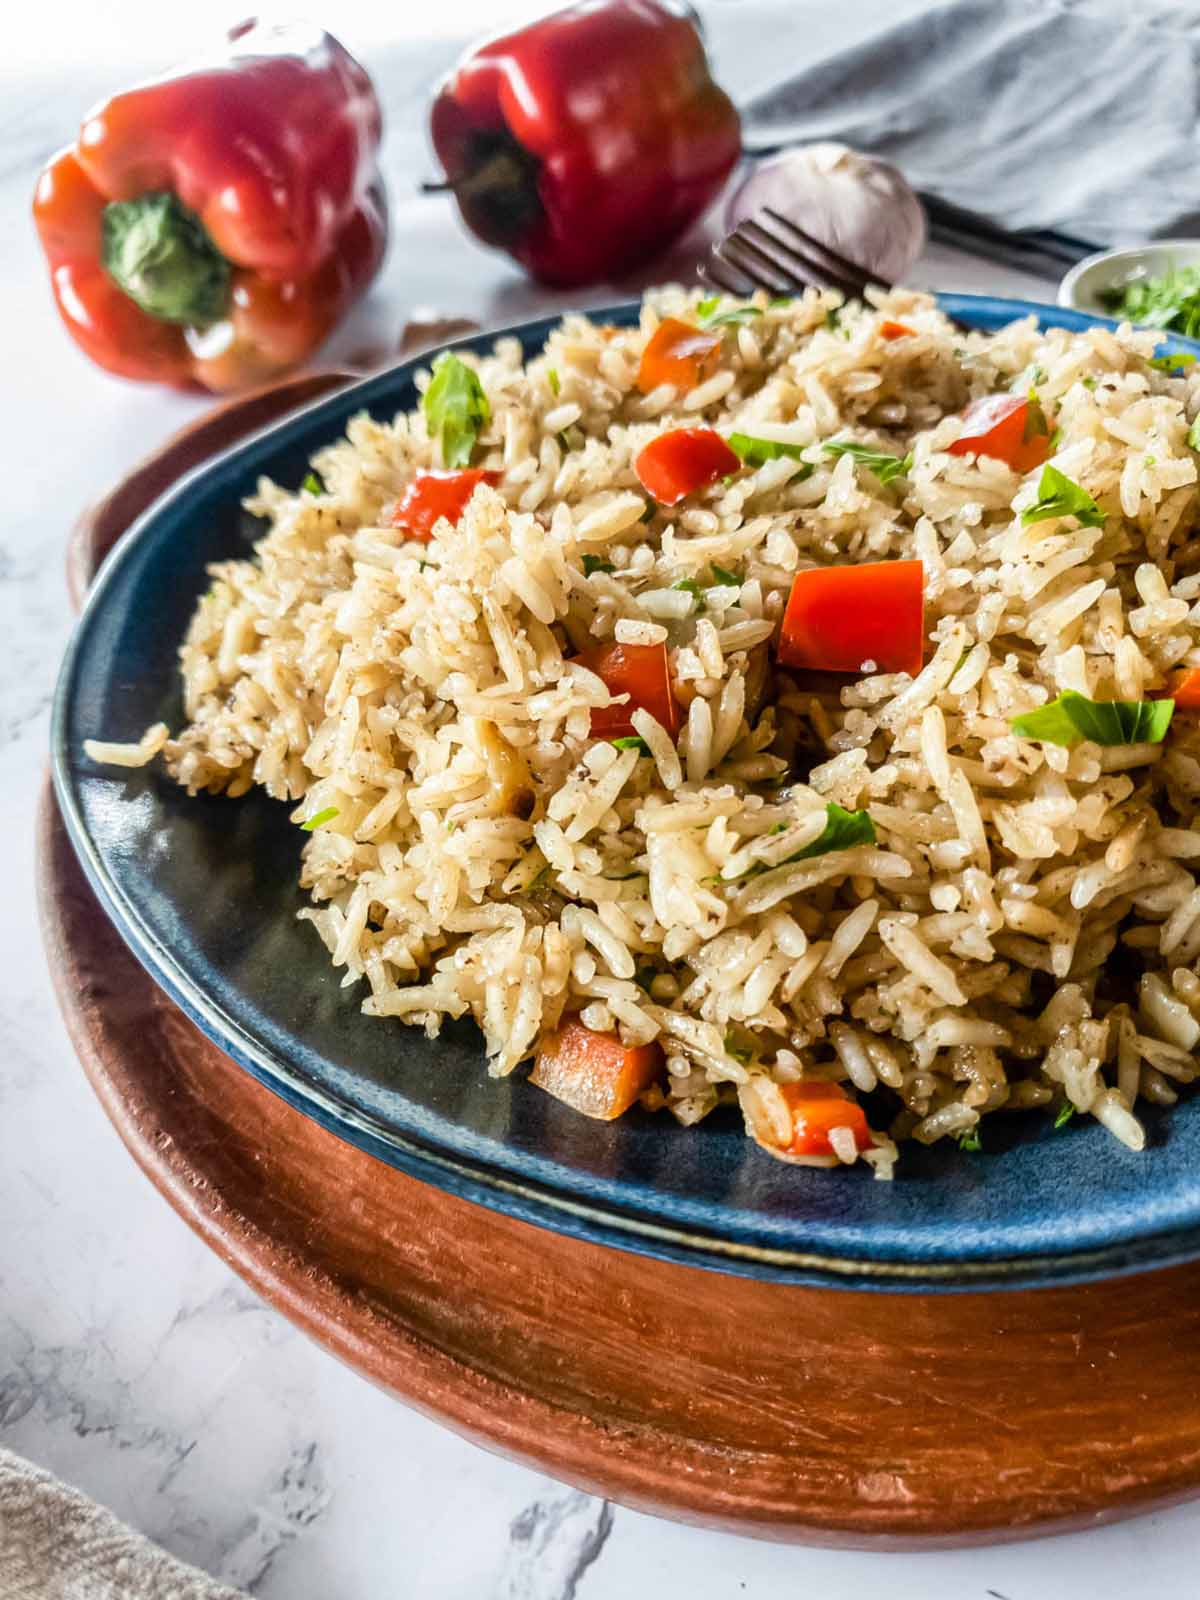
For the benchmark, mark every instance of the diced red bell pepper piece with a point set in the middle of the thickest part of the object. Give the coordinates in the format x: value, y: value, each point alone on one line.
x: 680, y: 354
x: 1186, y: 690
x: 641, y: 672
x: 837, y: 618
x: 594, y: 1072
x: 815, y: 1109
x: 433, y: 495
x: 1007, y: 428
x: 678, y: 463
x: 895, y: 330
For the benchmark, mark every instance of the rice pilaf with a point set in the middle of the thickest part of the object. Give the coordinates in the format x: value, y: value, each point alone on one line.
x: 1015, y: 926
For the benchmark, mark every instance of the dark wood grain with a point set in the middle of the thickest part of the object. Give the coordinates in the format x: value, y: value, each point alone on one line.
x: 777, y: 1411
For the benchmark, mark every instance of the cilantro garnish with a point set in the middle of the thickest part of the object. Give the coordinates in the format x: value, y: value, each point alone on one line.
x: 884, y: 466
x: 456, y: 408
x: 1171, y: 300
x: 1073, y: 717
x: 1058, y: 496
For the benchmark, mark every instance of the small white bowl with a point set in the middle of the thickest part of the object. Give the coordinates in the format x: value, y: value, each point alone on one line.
x: 1084, y: 285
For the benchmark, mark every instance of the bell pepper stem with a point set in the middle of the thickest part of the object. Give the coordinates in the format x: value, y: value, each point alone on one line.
x: 159, y: 253
x: 497, y: 188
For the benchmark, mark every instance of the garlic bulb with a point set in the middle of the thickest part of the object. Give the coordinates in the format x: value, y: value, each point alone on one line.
x: 854, y: 203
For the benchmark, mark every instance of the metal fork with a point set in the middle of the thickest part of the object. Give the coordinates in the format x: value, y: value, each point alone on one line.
x: 768, y: 251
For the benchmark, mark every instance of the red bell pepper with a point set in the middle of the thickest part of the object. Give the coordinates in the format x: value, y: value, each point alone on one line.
x: 1008, y: 427
x: 1186, y: 690
x: 433, y: 495
x: 895, y: 330
x: 586, y: 142
x: 838, y: 618
x: 641, y: 672
x: 211, y: 227
x: 678, y: 353
x: 678, y: 463
x: 816, y: 1109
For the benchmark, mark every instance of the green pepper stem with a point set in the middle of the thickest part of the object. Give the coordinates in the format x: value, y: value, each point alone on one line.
x: 159, y: 254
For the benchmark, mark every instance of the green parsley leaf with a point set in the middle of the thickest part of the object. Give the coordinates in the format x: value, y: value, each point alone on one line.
x: 456, y: 408
x: 884, y: 467
x: 1174, y: 361
x: 970, y: 1141
x: 722, y: 577
x: 732, y: 319
x: 833, y: 319
x: 631, y: 741
x: 1171, y: 300
x: 1193, y: 435
x: 1065, y: 1112
x: 1089, y: 382
x: 707, y: 306
x: 1073, y: 717
x: 1058, y: 496
x: 312, y: 483
x: 540, y: 877
x: 552, y: 380
x: 321, y: 818
x: 779, y: 301
x: 596, y: 564
x: 690, y: 586
x: 755, y: 451
x: 843, y: 829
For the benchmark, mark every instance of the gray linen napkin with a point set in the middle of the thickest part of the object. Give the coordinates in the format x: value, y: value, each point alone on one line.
x: 1075, y: 114
x: 56, y: 1544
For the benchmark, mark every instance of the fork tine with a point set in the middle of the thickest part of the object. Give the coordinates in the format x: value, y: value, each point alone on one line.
x: 815, y: 264
x: 804, y: 269
x: 717, y: 273
x: 852, y: 271
x: 761, y: 266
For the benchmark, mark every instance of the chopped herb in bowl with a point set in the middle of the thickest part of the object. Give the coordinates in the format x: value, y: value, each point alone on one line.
x: 1170, y: 300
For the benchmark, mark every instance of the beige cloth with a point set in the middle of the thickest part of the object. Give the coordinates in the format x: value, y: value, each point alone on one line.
x: 56, y: 1544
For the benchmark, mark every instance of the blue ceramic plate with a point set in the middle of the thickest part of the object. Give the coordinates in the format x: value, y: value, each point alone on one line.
x: 205, y: 892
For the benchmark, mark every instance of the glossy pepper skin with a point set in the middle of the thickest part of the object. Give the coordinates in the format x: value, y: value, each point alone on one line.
x: 586, y: 142
x: 265, y: 161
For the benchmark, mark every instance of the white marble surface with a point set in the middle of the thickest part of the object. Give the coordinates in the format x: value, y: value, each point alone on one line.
x: 131, y: 1361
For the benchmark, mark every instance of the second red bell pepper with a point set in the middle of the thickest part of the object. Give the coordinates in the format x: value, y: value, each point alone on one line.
x: 211, y: 227
x: 588, y: 141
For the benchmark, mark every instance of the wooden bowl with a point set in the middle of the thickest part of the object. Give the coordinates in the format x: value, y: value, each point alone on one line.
x: 785, y: 1412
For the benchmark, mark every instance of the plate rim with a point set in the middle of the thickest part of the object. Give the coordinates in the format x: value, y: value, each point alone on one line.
x: 462, y: 1172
